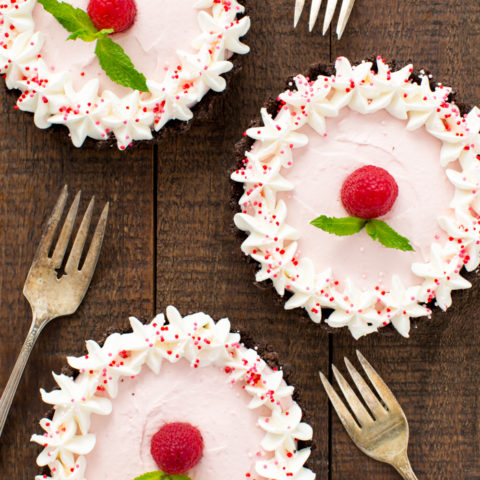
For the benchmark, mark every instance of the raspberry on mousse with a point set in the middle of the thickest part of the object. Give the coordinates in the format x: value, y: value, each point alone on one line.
x: 116, y: 14
x: 177, y: 447
x: 369, y: 192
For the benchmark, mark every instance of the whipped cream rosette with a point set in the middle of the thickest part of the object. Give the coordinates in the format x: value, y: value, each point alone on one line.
x: 188, y: 369
x: 182, y: 48
x: 293, y: 166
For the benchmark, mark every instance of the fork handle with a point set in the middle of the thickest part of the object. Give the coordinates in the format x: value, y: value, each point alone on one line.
x: 12, y: 385
x: 403, y: 467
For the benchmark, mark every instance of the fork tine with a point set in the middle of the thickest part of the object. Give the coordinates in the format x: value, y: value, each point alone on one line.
x: 380, y: 386
x: 94, y: 251
x: 76, y: 253
x: 48, y: 234
x: 66, y: 233
x: 345, y: 416
x: 363, y: 417
x: 298, y: 11
x: 371, y: 400
x: 345, y: 11
x: 331, y: 5
x: 314, y: 9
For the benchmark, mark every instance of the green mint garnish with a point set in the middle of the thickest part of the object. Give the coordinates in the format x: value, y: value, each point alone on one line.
x: 387, y: 236
x: 113, y: 59
x: 71, y: 18
x: 88, y: 36
x: 339, y: 226
x: 376, y: 229
x: 161, y: 476
x: 118, y: 65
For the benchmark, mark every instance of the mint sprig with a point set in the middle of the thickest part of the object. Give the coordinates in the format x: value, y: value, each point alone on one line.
x: 339, y: 226
x: 161, y: 476
x: 71, y: 18
x: 376, y: 229
x: 113, y: 59
x: 118, y: 65
x: 386, y: 235
x: 88, y: 36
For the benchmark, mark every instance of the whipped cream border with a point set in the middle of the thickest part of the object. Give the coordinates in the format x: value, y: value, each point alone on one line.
x: 272, y: 242
x: 201, y: 341
x: 86, y: 113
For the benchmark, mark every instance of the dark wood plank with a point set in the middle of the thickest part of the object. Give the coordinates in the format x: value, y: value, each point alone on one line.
x: 433, y: 376
x: 34, y: 165
x: 434, y: 372
x: 199, y: 263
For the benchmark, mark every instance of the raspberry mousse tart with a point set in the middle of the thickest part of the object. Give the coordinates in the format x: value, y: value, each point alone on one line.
x: 180, y: 398
x: 117, y: 68
x: 360, y: 195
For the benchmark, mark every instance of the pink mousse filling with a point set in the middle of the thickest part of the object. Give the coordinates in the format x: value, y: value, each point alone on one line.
x: 320, y: 168
x: 161, y: 28
x: 180, y: 393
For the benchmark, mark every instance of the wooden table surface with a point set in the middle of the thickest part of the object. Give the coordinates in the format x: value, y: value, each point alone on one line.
x: 169, y: 241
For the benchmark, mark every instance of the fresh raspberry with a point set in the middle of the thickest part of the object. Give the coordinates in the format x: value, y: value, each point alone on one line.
x: 177, y: 447
x: 369, y: 192
x: 116, y: 14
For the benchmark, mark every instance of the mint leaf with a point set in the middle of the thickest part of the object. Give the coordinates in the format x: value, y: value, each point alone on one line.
x: 161, y: 476
x: 88, y: 36
x: 387, y: 236
x: 71, y: 18
x: 118, y: 66
x: 339, y: 226
x: 376, y: 229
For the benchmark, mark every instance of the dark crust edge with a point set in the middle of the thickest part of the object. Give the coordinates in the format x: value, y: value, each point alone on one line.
x: 273, y: 105
x: 266, y: 351
x: 202, y: 110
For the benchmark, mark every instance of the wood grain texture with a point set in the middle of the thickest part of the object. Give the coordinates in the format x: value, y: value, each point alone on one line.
x: 433, y: 373
x: 170, y: 240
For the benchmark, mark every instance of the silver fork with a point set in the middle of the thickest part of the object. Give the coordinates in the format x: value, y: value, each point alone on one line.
x: 382, y: 432
x: 345, y: 11
x: 48, y: 295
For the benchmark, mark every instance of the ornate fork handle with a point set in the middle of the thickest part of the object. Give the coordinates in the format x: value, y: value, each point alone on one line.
x: 403, y: 467
x: 17, y: 372
x: 49, y: 296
